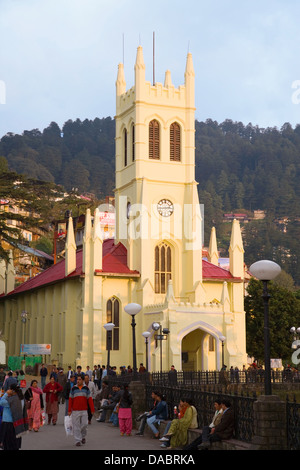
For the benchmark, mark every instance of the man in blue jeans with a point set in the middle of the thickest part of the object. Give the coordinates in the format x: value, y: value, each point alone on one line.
x: 159, y: 412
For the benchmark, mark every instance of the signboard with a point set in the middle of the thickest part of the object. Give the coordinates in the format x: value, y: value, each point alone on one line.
x: 107, y: 218
x: 35, y: 349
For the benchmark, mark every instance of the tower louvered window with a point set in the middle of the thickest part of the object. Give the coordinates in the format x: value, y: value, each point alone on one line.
x: 125, y: 147
x: 154, y: 140
x: 175, y: 142
x: 162, y: 268
x: 112, y: 316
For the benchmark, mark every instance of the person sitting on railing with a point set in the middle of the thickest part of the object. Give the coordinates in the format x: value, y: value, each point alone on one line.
x: 143, y: 417
x: 176, y: 432
x: 159, y: 413
x: 223, y: 430
x: 207, y: 429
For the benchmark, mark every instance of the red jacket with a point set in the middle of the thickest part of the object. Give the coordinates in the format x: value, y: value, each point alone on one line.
x: 80, y: 398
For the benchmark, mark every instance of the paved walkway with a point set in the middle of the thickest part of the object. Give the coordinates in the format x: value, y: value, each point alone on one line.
x: 100, y: 436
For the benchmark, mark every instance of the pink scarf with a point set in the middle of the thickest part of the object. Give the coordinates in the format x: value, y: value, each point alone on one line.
x: 36, y: 390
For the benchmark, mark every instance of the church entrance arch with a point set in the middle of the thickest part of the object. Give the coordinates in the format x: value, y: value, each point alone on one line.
x: 200, y: 347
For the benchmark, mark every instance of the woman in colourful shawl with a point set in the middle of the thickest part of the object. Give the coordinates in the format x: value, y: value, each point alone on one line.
x: 177, y: 433
x: 52, y: 390
x: 35, y: 405
x: 13, y: 424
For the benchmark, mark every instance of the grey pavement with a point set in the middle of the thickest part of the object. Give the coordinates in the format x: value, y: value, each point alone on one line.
x: 100, y: 436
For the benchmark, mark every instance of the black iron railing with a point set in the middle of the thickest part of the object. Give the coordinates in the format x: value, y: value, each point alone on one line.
x: 293, y: 424
x: 204, y: 403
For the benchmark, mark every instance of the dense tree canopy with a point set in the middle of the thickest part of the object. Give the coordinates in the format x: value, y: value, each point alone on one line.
x: 284, y: 312
x: 239, y: 168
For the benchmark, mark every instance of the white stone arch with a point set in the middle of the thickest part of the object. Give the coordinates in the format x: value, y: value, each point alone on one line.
x: 209, y: 330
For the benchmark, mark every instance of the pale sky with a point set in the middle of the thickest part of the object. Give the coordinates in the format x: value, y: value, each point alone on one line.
x: 59, y: 58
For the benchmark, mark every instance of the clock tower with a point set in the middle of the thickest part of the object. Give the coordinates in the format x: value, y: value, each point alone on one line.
x: 157, y: 207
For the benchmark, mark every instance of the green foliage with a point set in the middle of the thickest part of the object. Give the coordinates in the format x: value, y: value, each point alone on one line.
x: 284, y: 312
x: 239, y: 168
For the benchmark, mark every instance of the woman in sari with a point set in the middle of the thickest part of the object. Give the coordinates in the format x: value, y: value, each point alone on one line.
x: 52, y: 390
x: 176, y: 435
x: 35, y: 405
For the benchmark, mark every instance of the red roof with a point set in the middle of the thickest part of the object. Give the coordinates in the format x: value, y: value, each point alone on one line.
x: 211, y: 271
x: 114, y: 261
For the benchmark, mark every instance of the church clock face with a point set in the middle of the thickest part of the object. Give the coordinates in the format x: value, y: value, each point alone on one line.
x: 165, y: 207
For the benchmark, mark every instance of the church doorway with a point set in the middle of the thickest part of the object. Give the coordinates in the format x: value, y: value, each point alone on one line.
x: 198, y: 351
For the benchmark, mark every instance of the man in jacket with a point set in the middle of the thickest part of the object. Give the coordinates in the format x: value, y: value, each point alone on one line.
x: 223, y: 430
x: 79, y: 401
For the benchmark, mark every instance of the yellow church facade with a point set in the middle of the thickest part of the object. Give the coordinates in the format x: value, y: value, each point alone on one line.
x: 155, y: 260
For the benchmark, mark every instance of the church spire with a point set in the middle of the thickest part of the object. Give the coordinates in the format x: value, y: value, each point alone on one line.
x: 87, y: 241
x: 236, y: 251
x: 189, y: 79
x: 70, y: 258
x: 213, y: 255
x: 139, y: 69
x: 2, y: 276
x: 168, y: 80
x: 10, y: 274
x: 120, y: 83
x: 97, y: 241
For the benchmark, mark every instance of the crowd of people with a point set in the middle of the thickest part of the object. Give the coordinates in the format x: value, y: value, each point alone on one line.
x: 82, y: 394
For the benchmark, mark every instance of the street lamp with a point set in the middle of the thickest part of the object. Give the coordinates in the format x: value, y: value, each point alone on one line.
x: 108, y: 327
x: 162, y: 335
x: 146, y: 335
x: 133, y: 309
x: 266, y: 271
x: 222, y: 339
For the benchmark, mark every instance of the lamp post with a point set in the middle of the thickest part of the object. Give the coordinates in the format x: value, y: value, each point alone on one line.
x: 222, y: 339
x: 108, y: 327
x: 133, y: 309
x: 266, y: 271
x: 162, y: 335
x: 146, y: 335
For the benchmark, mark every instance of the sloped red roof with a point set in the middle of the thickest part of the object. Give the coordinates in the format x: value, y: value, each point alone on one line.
x: 114, y: 261
x: 211, y: 271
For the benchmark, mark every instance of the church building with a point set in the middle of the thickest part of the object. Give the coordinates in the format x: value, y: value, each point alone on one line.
x: 155, y: 259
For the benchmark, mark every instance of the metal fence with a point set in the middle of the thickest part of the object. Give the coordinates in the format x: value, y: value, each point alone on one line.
x: 293, y: 424
x: 204, y: 403
x: 199, y: 377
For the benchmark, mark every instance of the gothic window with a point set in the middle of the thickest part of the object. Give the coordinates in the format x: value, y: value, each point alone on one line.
x: 112, y: 316
x: 163, y: 268
x: 175, y: 142
x: 125, y: 147
x: 133, y: 142
x: 154, y: 140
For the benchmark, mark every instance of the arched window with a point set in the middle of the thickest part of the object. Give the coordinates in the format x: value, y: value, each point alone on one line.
x: 113, y: 316
x: 133, y: 142
x: 125, y: 147
x: 154, y: 140
x: 175, y: 142
x: 163, y: 268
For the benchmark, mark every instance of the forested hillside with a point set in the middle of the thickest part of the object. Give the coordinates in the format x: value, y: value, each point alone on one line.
x: 238, y: 167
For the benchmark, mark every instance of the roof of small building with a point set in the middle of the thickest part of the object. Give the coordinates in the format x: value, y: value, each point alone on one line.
x: 114, y: 262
